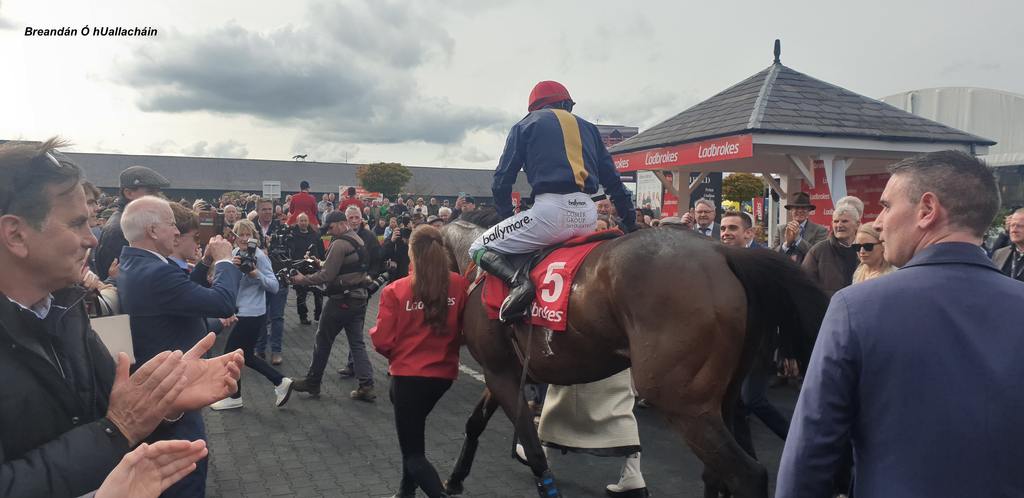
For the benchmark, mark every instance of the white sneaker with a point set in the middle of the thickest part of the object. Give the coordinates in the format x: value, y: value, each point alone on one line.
x: 282, y: 392
x: 227, y: 404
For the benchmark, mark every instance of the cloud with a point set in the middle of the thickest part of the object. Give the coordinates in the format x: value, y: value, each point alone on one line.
x: 469, y: 154
x: 229, y: 148
x: 969, y: 67
x: 644, y: 108
x: 345, y: 74
x: 202, y: 148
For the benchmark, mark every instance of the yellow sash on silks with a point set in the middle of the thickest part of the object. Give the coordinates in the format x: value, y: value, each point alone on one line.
x: 573, y: 145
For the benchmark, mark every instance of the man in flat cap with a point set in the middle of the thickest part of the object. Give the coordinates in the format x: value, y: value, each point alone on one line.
x: 136, y: 182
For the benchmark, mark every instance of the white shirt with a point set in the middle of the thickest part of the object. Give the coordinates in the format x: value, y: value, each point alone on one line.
x: 40, y: 309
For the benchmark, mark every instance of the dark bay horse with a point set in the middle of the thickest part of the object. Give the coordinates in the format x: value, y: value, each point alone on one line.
x: 686, y: 313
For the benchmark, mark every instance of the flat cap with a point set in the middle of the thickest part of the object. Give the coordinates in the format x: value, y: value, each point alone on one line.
x: 141, y: 176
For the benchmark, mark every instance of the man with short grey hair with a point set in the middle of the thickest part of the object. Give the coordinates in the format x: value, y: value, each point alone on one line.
x: 68, y: 413
x: 167, y: 308
x: 702, y: 219
x: 1010, y: 259
x: 919, y: 369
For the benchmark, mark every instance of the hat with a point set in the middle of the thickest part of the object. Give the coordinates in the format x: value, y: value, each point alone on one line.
x: 470, y: 199
x: 800, y: 199
x: 334, y: 217
x: 141, y: 176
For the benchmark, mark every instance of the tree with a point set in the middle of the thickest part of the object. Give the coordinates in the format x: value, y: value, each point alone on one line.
x: 386, y: 178
x: 741, y: 187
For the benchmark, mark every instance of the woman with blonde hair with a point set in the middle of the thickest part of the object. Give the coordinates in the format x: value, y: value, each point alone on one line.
x: 418, y: 330
x: 871, y: 253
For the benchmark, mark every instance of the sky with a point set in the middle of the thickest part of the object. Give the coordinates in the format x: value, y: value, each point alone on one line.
x: 440, y: 82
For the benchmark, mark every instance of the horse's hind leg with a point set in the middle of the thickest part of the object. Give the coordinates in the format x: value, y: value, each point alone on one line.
x: 709, y: 438
x: 475, y: 426
x: 505, y: 389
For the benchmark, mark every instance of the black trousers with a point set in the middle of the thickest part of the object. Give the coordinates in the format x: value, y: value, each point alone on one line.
x: 300, y: 301
x: 414, y: 398
x: 244, y: 336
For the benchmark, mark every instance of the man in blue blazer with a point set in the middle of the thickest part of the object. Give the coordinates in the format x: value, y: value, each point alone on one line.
x: 921, y: 369
x: 167, y: 308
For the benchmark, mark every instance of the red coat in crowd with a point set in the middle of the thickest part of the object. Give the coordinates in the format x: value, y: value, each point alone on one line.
x: 351, y: 201
x: 412, y: 348
x: 303, y: 202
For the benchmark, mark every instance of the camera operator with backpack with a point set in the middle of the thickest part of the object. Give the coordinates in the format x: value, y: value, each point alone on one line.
x: 344, y: 273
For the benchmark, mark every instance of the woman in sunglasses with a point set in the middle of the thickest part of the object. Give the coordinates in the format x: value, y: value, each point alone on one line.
x: 871, y: 254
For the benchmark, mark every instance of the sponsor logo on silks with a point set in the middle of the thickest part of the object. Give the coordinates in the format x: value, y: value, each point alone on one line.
x: 500, y: 232
x: 546, y: 313
x: 576, y: 203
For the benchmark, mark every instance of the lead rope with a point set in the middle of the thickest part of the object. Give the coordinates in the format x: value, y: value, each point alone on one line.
x: 522, y: 384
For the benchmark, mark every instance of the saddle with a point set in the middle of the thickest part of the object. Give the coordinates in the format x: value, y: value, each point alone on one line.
x: 552, y: 280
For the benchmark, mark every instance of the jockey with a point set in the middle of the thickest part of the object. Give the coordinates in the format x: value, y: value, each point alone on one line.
x: 565, y: 160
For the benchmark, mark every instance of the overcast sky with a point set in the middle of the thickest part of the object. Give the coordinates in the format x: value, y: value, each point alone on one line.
x: 439, y: 82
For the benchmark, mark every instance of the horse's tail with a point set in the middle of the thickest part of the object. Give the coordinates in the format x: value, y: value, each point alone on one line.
x: 779, y: 294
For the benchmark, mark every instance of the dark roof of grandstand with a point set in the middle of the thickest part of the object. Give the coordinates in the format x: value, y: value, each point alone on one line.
x: 780, y: 100
x: 208, y: 173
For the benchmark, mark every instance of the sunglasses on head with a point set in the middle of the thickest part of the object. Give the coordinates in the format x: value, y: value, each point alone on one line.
x: 870, y: 246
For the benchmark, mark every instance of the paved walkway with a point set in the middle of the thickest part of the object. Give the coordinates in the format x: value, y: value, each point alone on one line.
x: 336, y: 447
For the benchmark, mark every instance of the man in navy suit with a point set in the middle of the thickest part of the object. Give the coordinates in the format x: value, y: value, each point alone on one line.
x: 919, y: 369
x: 167, y: 308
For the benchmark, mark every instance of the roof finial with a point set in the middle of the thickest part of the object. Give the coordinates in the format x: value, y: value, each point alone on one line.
x: 778, y: 50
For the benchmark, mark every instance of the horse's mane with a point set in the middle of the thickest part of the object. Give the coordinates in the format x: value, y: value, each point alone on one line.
x: 484, y: 217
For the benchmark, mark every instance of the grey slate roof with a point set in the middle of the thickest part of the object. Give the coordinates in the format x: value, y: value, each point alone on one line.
x: 781, y: 100
x: 221, y: 174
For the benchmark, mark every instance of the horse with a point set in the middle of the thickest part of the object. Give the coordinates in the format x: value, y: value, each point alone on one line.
x: 686, y: 313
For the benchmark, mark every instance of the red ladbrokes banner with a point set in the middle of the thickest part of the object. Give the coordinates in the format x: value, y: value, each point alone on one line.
x: 719, y: 149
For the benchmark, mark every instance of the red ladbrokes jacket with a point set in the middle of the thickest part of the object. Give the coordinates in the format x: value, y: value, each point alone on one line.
x: 411, y: 347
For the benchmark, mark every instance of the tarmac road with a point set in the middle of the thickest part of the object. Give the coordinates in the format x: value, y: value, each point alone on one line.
x: 336, y: 447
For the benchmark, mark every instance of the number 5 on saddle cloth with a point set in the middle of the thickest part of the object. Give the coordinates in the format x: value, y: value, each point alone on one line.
x: 552, y: 271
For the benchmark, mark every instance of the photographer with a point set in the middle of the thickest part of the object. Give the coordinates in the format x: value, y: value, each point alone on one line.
x: 306, y: 240
x: 344, y: 273
x: 396, y: 249
x: 258, y: 282
x: 373, y: 249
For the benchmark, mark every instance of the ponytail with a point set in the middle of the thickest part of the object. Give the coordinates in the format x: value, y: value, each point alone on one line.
x: 430, y: 275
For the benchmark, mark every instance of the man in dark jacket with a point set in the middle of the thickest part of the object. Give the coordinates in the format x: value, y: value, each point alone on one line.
x: 167, y: 308
x: 370, y: 242
x: 831, y: 262
x: 306, y: 240
x: 136, y: 181
x: 920, y: 369
x: 67, y: 416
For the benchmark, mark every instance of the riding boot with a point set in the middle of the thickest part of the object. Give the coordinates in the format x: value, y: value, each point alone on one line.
x: 631, y: 482
x: 546, y: 487
x: 516, y: 306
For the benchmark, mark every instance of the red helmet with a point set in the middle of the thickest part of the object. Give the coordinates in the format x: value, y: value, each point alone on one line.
x: 546, y: 93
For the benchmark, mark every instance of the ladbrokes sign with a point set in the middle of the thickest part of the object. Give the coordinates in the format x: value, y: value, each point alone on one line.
x: 721, y: 149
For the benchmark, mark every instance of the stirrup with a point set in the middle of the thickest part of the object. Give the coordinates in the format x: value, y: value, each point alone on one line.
x: 509, y: 314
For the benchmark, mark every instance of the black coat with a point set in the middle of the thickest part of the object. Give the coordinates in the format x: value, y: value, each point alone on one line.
x: 54, y: 439
x: 110, y: 243
x: 398, y: 253
x: 301, y: 242
x: 374, y: 251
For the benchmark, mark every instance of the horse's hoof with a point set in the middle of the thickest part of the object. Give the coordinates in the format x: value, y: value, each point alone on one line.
x: 453, y: 488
